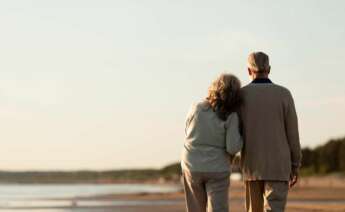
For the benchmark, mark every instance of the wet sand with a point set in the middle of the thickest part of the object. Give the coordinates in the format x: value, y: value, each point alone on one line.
x: 312, y: 194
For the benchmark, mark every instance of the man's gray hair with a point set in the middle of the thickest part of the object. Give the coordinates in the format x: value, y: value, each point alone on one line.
x: 258, y: 62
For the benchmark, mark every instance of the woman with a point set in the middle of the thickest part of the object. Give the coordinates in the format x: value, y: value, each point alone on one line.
x: 212, y: 136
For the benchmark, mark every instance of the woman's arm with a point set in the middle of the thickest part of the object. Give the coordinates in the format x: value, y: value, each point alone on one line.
x: 189, y: 117
x: 234, y: 141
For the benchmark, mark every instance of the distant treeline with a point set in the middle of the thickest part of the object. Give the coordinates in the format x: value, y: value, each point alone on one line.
x: 324, y: 159
x: 167, y: 173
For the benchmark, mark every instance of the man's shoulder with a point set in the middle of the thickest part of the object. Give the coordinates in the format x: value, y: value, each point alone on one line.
x: 273, y: 86
x: 282, y: 89
x: 246, y: 87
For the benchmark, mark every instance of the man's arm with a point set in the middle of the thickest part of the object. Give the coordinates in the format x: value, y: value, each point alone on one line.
x: 291, y: 127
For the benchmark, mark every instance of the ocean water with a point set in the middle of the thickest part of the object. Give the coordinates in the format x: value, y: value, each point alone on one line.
x: 57, y: 198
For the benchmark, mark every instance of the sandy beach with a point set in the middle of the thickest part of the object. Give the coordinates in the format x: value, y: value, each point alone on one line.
x: 312, y: 194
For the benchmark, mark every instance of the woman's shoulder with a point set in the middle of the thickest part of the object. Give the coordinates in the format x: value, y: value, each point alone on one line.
x: 204, y: 105
x: 201, y: 105
x: 197, y: 107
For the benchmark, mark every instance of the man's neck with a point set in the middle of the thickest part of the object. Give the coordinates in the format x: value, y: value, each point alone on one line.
x: 259, y: 80
x: 260, y: 76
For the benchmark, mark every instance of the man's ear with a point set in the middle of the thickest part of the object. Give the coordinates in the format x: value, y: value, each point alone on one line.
x: 249, y: 72
x: 269, y: 70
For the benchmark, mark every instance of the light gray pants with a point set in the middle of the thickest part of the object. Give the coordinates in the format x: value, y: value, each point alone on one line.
x: 206, y: 190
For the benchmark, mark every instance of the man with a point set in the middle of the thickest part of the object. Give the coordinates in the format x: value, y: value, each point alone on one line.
x: 271, y: 156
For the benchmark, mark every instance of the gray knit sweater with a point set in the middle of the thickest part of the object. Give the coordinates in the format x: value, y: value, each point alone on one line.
x: 209, y: 141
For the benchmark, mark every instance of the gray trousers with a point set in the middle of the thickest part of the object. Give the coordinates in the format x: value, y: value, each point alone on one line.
x: 206, y: 190
x: 266, y: 196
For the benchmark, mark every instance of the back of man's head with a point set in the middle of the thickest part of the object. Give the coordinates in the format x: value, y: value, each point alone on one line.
x: 259, y: 62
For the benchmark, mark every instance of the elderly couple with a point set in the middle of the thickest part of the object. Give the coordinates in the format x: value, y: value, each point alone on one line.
x: 258, y: 120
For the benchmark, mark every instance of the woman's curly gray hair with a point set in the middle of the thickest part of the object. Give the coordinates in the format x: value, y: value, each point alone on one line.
x: 224, y: 95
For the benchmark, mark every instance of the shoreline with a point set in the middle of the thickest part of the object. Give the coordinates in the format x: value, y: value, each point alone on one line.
x: 174, y: 202
x: 311, y: 194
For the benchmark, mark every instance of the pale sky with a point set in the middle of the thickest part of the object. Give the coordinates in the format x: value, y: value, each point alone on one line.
x: 107, y: 84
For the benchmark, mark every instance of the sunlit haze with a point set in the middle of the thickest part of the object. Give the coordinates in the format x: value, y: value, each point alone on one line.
x: 107, y: 84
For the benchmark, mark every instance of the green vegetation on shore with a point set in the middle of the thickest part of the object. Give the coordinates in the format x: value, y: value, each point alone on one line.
x: 324, y: 159
x: 168, y: 173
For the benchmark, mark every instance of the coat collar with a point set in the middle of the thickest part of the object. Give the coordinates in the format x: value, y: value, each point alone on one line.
x: 261, y: 80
